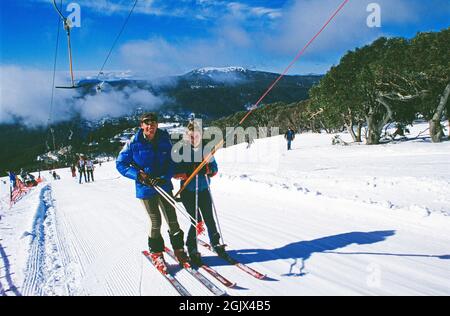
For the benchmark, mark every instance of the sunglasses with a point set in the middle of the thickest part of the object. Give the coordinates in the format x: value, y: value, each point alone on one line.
x: 149, y: 122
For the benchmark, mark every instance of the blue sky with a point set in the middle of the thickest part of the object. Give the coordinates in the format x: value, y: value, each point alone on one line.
x: 170, y: 37
x: 166, y: 37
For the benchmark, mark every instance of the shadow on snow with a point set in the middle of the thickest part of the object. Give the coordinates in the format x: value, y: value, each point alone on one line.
x: 303, y: 250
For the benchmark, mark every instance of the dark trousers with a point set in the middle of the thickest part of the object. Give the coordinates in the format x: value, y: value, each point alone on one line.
x: 289, y: 144
x: 206, y: 212
x: 90, y: 175
x: 81, y: 172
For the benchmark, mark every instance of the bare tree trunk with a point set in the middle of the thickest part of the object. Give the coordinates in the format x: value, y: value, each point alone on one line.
x: 349, y: 124
x: 436, y: 131
x: 375, y: 125
x: 351, y: 131
x: 327, y: 130
x: 358, y: 132
x: 448, y: 115
x: 374, y: 135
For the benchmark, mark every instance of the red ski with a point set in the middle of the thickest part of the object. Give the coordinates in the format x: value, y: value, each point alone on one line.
x: 169, y: 277
x: 234, y: 262
x: 218, y: 276
x: 200, y: 277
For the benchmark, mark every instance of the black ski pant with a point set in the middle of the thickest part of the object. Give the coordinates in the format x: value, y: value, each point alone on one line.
x: 82, y: 172
x: 289, y: 144
x: 206, y: 212
x: 90, y: 175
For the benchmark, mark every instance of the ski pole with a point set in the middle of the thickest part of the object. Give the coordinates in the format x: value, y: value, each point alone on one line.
x: 196, y: 199
x: 215, y: 210
x: 173, y: 203
x: 197, y: 225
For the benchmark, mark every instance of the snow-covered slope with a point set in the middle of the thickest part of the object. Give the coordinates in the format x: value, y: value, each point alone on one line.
x: 319, y: 219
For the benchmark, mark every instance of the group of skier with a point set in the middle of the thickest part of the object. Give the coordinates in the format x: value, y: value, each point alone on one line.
x: 147, y: 159
x: 84, y: 166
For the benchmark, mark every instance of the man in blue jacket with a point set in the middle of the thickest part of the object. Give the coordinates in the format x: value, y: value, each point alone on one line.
x: 146, y: 158
x: 290, y: 136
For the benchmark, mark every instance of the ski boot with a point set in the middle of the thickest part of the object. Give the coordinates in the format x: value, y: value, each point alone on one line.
x: 196, y: 259
x: 220, y: 251
x: 159, y: 262
x: 182, y: 258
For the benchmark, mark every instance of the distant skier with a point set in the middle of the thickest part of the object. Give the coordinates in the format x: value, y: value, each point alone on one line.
x: 56, y: 176
x: 90, y: 170
x: 197, y: 193
x: 290, y: 136
x: 146, y: 158
x: 73, y: 170
x: 27, y: 178
x: 82, y: 168
x: 23, y: 175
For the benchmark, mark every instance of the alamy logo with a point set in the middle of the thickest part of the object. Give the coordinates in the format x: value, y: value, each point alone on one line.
x: 74, y: 17
x: 374, y: 18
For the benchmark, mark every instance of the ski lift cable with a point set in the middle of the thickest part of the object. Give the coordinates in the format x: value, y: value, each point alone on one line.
x: 67, y: 27
x: 50, y: 115
x: 59, y: 10
x: 255, y: 106
x: 117, y: 38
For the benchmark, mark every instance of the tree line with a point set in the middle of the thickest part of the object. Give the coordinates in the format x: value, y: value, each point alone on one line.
x: 392, y: 80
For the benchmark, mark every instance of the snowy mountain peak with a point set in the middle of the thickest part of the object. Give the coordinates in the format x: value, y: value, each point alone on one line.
x: 206, y: 70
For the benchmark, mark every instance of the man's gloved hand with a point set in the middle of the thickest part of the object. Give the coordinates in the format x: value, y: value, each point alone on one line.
x: 180, y: 176
x: 148, y: 180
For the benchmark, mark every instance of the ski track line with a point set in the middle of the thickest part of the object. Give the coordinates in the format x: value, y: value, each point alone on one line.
x: 34, y: 277
x: 316, y: 248
x: 69, y: 252
x: 296, y: 187
x: 59, y: 251
x: 49, y: 259
x: 370, y: 217
x: 73, y: 249
x: 116, y: 269
x: 281, y: 233
x: 392, y: 223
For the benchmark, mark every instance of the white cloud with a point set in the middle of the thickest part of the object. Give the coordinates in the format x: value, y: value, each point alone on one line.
x: 113, y: 103
x: 158, y: 57
x: 304, y: 18
x: 228, y: 44
x: 25, y: 95
x: 199, y: 9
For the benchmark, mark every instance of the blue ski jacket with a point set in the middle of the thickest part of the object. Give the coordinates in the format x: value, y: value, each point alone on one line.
x: 185, y: 168
x: 290, y: 135
x: 154, y: 157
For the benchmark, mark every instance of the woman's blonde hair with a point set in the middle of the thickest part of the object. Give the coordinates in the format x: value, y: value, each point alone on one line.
x: 194, y: 126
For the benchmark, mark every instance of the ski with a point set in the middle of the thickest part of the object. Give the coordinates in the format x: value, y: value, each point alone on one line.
x: 169, y: 277
x: 218, y: 276
x: 234, y: 262
x: 198, y: 276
